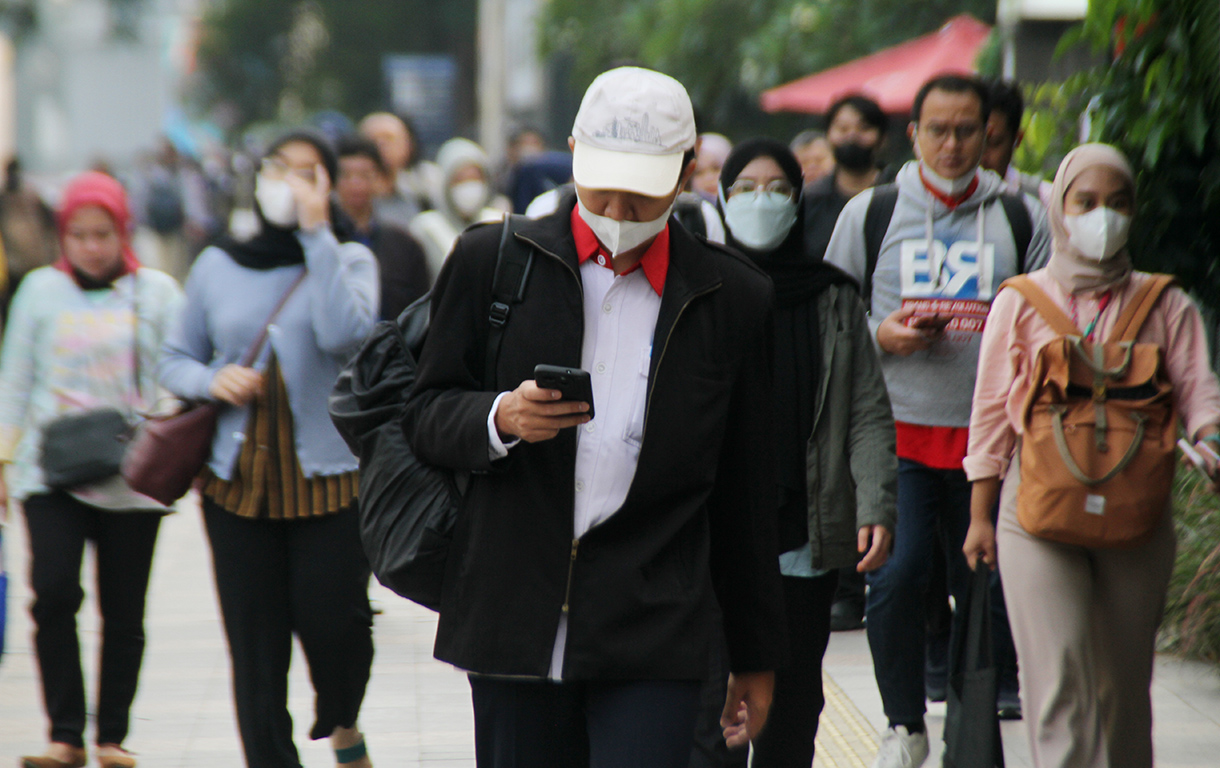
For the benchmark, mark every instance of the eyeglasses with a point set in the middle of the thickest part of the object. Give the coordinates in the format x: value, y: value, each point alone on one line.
x: 747, y: 186
x: 276, y: 169
x: 939, y: 132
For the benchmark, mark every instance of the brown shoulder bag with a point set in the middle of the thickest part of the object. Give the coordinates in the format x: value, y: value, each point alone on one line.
x: 1097, y: 454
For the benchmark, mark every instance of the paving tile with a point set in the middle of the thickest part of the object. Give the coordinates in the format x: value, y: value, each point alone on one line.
x: 417, y: 710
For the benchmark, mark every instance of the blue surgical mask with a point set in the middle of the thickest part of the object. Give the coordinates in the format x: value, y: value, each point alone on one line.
x: 759, y: 221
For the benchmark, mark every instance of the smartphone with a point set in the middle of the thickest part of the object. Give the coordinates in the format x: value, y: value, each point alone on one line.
x: 930, y: 322
x: 1195, y: 457
x: 572, y: 383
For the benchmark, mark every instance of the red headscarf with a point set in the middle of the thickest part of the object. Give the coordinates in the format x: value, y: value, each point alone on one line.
x: 94, y: 188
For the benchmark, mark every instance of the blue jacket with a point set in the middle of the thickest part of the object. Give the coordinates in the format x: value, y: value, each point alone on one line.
x: 319, y: 328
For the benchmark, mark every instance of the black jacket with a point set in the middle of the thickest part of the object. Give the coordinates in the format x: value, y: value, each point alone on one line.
x: 700, y: 510
x: 404, y: 268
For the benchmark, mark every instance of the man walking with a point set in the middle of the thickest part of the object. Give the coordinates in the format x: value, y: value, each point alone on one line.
x: 591, y: 549
x: 933, y: 264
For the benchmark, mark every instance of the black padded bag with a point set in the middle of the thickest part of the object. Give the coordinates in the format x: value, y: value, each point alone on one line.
x: 408, y: 509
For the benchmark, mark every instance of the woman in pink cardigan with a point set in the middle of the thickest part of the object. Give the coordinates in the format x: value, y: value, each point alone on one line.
x: 1084, y: 618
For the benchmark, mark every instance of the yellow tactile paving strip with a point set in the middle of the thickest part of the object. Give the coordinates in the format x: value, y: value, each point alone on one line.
x: 845, y: 739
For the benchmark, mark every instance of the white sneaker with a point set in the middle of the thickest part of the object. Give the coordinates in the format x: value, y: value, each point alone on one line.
x: 902, y: 749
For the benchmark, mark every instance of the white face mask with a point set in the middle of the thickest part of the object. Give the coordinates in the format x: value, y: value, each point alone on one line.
x: 948, y: 187
x: 1098, y: 234
x: 759, y: 222
x: 621, y: 236
x: 468, y: 197
x: 276, y: 201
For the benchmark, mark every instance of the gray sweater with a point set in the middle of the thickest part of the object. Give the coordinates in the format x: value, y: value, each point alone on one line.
x: 322, y: 324
x: 950, y: 261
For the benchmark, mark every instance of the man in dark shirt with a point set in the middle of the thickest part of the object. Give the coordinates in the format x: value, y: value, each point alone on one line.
x: 856, y: 128
x: 404, y: 270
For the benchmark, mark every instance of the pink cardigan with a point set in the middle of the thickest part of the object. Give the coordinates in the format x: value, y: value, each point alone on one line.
x: 1015, y: 331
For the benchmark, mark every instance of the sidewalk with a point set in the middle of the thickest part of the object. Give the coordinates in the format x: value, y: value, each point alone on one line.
x: 417, y: 710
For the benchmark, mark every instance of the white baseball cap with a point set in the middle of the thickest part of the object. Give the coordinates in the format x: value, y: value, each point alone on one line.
x: 633, y: 127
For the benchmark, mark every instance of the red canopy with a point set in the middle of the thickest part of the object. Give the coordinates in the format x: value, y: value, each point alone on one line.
x: 891, y: 76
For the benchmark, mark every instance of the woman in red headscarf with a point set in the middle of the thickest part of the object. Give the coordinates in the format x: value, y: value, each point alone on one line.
x: 84, y: 334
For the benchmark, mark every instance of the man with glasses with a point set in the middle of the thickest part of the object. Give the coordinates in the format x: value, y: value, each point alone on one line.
x: 930, y: 269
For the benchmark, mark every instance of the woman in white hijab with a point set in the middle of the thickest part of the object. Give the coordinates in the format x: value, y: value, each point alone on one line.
x: 466, y: 199
x: 1084, y: 618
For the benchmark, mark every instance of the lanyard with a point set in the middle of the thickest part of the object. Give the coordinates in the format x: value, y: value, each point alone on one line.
x: 1102, y: 302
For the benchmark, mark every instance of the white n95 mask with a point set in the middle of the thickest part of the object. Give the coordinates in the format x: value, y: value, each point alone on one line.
x: 1098, y: 234
x: 621, y: 236
x: 468, y: 197
x: 276, y: 201
x: 759, y: 221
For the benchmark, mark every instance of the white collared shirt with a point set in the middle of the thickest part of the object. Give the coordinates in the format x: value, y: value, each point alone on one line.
x: 620, y: 313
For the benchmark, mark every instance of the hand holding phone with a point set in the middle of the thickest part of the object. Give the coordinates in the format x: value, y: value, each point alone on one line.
x: 934, y: 323
x: 572, y: 383
x: 1197, y: 459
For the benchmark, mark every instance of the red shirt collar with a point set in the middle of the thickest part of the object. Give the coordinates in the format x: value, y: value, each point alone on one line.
x: 654, y: 262
x: 950, y: 202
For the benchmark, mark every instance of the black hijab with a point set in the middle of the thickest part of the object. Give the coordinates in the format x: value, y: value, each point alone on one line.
x: 276, y: 246
x: 799, y: 281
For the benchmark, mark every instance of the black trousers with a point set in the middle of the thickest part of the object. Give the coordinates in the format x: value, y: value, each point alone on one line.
x: 528, y: 723
x: 123, y: 542
x: 787, y: 739
x: 277, y: 578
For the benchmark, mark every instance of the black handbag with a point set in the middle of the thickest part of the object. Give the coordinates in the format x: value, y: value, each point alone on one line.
x: 83, y: 448
x: 408, y: 509
x: 972, y: 725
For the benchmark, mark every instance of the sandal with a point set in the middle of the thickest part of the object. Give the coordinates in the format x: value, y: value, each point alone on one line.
x: 78, y: 760
x: 123, y: 759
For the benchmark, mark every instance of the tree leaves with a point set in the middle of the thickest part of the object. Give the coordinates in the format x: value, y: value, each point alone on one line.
x: 727, y: 51
x: 1156, y: 99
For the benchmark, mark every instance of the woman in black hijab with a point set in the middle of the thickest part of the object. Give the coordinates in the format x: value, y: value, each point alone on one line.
x: 836, y: 468
x: 279, y: 490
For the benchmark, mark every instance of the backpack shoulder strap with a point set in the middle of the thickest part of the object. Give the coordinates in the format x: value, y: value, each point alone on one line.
x: 1054, y: 316
x: 513, y: 264
x: 1133, y: 317
x: 876, y: 222
x: 1021, y: 225
x: 688, y: 210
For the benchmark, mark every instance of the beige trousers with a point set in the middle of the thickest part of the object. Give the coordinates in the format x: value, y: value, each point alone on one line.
x: 1084, y: 622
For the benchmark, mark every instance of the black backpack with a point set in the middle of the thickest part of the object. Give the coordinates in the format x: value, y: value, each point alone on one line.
x: 408, y: 508
x: 881, y: 210
x: 165, y: 210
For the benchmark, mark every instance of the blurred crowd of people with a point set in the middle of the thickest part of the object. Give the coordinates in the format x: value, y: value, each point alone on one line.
x: 831, y: 445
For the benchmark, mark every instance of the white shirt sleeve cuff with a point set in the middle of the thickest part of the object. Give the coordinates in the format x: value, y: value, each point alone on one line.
x: 497, y: 448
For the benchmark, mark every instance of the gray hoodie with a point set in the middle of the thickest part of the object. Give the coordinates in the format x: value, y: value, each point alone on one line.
x: 941, y: 260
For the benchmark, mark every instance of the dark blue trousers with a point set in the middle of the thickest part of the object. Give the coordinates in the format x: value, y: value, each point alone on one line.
x: 933, y: 506
x: 531, y: 723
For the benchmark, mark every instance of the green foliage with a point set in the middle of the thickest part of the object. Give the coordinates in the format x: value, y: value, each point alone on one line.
x: 1157, y: 99
x: 727, y: 51
x: 258, y: 59
x: 1192, y: 610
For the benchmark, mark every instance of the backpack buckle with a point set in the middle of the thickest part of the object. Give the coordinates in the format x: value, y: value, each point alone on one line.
x: 498, y: 314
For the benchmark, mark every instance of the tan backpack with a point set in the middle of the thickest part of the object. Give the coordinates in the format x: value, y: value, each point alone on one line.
x: 1097, y: 456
